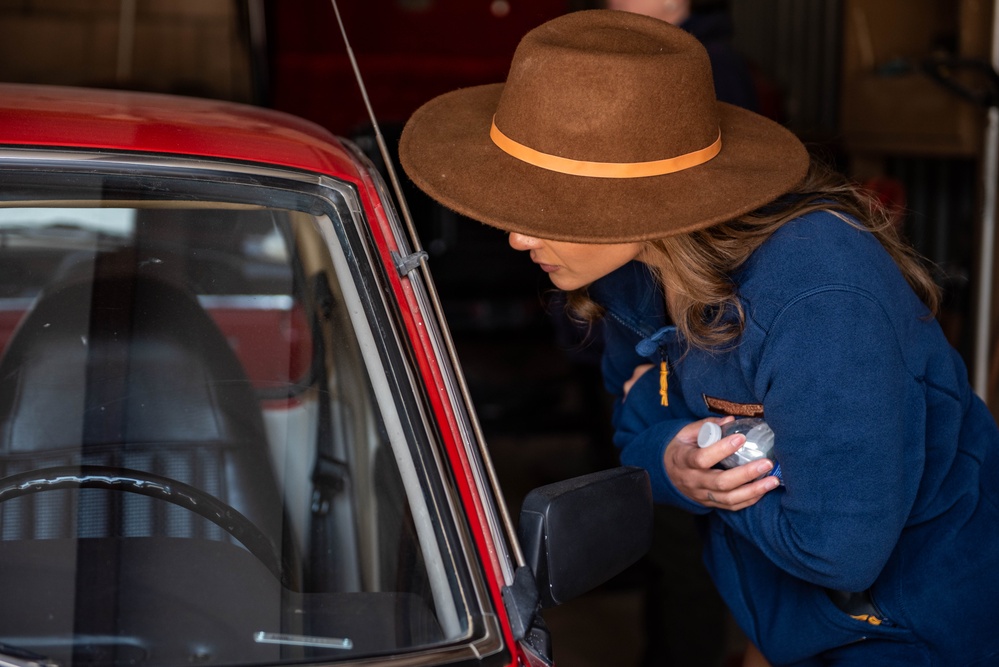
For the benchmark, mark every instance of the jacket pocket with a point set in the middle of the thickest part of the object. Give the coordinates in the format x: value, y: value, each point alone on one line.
x: 788, y: 618
x: 860, y: 606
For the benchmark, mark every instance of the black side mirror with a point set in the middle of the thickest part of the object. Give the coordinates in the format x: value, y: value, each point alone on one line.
x: 578, y: 533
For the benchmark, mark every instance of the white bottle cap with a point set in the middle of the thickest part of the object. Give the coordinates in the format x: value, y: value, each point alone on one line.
x: 709, y: 434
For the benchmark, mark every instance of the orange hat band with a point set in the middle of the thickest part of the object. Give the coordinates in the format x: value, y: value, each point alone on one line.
x: 602, y: 169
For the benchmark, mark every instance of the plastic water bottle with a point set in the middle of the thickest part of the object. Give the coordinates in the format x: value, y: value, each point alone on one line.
x: 759, y: 442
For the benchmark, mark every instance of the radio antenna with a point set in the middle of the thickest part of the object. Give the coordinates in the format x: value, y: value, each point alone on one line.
x: 379, y: 139
x: 490, y: 470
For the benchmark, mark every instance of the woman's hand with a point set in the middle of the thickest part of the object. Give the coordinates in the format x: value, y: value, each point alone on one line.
x: 639, y: 372
x: 690, y: 469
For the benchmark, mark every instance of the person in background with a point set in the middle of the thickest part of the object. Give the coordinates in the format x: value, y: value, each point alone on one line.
x: 708, y: 21
x: 735, y: 276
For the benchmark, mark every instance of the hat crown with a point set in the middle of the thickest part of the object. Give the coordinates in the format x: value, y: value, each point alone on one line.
x: 623, y: 88
x: 606, y: 131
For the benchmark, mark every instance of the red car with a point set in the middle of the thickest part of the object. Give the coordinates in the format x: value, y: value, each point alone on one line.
x: 232, y: 431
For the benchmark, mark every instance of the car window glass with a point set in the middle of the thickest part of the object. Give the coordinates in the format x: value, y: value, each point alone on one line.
x: 202, y: 459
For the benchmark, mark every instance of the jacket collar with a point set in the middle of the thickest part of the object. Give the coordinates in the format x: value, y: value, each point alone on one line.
x: 631, y: 296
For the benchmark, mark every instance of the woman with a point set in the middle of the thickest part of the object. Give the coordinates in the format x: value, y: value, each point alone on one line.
x: 753, y: 284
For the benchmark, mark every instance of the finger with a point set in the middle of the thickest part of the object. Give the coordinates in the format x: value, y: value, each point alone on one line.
x: 635, y: 375
x: 743, y: 496
x: 750, y: 494
x: 745, y: 474
x: 639, y: 372
x: 688, y: 433
x: 716, y: 452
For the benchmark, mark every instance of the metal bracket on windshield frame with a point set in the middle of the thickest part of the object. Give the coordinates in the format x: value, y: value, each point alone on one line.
x: 408, y: 263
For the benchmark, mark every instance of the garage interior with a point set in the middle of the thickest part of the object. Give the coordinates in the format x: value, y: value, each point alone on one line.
x: 897, y: 93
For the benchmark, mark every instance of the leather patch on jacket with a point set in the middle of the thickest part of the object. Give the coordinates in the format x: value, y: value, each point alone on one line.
x: 731, y: 408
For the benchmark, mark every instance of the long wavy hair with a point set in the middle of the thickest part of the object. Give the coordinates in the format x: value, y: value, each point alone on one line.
x: 694, y: 270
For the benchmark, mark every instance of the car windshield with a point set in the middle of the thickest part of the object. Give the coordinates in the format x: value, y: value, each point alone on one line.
x: 210, y: 449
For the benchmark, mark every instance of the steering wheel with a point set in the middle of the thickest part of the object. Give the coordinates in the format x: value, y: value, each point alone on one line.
x: 144, y: 483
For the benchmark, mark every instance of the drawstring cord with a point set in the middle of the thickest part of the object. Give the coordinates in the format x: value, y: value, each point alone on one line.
x: 647, y: 347
x: 664, y: 381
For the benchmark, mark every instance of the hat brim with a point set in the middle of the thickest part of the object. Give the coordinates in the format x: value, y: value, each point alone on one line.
x: 446, y: 150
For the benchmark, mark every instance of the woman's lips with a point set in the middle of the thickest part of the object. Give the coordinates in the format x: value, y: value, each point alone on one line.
x: 547, y: 268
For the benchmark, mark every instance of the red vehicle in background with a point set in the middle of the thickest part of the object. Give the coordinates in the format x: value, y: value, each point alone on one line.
x: 232, y: 427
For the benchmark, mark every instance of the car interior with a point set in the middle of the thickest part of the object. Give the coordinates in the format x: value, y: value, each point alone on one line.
x: 200, y: 456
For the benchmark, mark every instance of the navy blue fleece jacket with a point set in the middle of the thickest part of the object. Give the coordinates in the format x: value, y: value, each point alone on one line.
x: 890, y: 462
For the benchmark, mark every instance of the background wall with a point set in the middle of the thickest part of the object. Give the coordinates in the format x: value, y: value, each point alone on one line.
x: 197, y: 47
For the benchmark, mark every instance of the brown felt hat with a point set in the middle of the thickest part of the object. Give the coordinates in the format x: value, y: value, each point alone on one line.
x: 607, y: 130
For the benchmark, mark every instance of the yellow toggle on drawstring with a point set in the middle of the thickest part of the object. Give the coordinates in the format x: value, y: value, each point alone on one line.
x: 663, y: 383
x: 870, y: 618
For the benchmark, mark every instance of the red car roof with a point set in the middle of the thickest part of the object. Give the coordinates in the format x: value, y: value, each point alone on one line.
x: 68, y: 117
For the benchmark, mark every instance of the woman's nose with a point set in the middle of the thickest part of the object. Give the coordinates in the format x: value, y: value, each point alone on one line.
x: 523, y: 242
